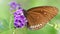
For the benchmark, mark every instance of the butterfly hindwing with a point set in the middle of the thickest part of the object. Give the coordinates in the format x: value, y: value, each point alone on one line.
x: 37, y: 17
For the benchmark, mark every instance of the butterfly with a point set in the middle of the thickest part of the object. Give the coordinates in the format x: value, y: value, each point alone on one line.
x: 35, y: 18
x: 38, y: 17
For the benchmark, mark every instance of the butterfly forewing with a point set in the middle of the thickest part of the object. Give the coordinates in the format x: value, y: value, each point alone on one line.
x: 37, y: 17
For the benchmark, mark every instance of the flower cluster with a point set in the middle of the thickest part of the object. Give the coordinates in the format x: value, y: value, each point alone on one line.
x: 19, y: 18
x: 14, y: 5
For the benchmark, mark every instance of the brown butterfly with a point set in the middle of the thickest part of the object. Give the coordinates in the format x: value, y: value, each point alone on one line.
x: 39, y: 16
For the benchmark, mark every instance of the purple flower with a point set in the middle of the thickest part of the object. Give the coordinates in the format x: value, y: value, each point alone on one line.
x: 18, y: 12
x: 19, y: 19
x: 14, y: 5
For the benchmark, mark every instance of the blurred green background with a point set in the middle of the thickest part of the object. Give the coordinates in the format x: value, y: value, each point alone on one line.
x: 6, y: 18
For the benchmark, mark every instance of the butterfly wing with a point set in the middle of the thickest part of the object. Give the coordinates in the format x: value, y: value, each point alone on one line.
x: 37, y: 17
